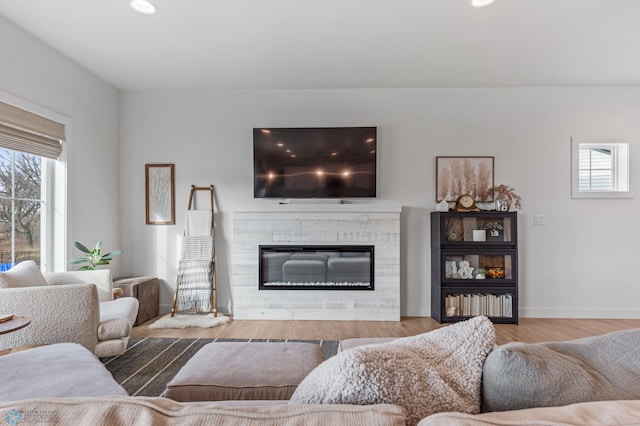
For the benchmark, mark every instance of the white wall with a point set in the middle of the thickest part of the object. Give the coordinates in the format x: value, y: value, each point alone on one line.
x: 35, y: 73
x: 581, y: 263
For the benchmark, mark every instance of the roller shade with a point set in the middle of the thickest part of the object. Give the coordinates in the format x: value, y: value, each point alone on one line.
x: 25, y: 131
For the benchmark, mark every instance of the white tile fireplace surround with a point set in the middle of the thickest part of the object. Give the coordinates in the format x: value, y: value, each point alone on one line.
x: 317, y: 224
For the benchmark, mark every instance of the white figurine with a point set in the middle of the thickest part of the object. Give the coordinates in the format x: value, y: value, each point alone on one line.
x: 451, y: 271
x: 464, y: 270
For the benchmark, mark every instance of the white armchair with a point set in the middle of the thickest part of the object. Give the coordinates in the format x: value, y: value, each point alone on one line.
x: 75, y: 307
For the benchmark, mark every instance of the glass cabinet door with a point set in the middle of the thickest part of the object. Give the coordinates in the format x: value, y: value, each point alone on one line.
x: 473, y: 267
x: 491, y: 304
x: 490, y: 228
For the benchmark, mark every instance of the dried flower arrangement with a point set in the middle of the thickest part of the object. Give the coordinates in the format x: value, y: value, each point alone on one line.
x: 507, y: 193
x: 492, y: 226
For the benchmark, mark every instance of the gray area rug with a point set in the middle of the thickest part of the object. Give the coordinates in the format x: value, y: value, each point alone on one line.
x: 150, y: 363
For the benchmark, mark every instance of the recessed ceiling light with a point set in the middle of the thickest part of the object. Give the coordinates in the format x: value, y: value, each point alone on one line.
x: 481, y: 3
x: 143, y: 6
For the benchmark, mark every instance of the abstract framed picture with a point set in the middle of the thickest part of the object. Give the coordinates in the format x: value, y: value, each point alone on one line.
x: 160, y: 194
x: 464, y: 175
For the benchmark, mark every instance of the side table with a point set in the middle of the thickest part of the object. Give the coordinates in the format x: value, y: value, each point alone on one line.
x: 145, y: 289
x: 15, y: 323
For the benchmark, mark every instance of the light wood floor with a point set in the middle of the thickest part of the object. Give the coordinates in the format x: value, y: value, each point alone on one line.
x: 529, y: 330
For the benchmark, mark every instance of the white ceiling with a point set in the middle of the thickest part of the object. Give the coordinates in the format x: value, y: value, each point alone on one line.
x: 342, y: 43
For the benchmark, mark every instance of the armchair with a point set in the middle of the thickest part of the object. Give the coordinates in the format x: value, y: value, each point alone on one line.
x: 74, y: 307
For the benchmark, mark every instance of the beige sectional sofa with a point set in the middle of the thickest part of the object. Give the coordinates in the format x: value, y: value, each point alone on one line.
x: 128, y: 411
x: 593, y: 381
x: 596, y: 413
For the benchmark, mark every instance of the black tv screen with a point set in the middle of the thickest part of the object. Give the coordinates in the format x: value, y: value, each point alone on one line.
x: 323, y: 162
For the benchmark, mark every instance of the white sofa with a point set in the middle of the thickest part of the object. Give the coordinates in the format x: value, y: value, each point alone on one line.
x: 66, y: 307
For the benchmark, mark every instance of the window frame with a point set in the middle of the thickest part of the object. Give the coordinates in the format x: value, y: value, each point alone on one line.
x: 620, y: 176
x: 54, y: 227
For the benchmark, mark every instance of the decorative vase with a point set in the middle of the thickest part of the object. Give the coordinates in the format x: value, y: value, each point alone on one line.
x: 495, y: 234
x: 479, y: 235
x: 502, y: 205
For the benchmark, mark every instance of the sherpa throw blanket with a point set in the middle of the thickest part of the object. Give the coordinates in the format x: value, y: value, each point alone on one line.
x: 429, y: 373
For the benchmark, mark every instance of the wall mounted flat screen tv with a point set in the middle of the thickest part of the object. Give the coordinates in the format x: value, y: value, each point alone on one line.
x: 322, y: 162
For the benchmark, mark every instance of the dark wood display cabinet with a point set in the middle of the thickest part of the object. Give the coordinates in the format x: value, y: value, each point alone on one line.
x: 474, y: 266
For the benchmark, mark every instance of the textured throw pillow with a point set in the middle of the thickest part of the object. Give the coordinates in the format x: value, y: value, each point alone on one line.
x: 24, y: 274
x: 527, y: 375
x: 432, y: 372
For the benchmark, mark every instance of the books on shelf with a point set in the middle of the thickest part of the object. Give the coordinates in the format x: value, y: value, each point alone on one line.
x: 474, y: 304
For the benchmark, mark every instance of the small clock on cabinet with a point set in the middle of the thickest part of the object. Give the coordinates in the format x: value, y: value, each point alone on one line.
x: 466, y: 203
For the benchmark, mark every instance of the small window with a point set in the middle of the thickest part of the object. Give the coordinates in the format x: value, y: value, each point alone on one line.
x: 600, y: 170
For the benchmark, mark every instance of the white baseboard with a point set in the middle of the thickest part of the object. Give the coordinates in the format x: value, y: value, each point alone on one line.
x: 587, y: 313
x: 416, y: 311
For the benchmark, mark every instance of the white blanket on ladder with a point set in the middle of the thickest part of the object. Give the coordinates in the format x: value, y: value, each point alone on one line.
x: 195, y: 271
x: 198, y: 222
x: 197, y: 248
x: 194, y: 292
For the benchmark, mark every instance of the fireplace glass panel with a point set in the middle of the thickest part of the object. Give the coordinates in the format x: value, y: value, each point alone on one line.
x: 316, y: 267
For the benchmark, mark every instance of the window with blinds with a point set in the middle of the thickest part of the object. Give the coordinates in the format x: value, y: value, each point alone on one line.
x: 24, y: 131
x: 30, y: 144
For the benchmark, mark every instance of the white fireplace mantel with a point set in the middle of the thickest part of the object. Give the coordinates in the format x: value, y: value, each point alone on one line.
x: 316, y: 206
x: 317, y: 224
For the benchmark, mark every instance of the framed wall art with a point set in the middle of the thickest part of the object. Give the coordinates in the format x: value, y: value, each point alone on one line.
x: 464, y: 175
x: 160, y: 194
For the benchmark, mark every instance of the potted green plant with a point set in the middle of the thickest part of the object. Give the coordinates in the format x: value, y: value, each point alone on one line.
x: 93, y: 257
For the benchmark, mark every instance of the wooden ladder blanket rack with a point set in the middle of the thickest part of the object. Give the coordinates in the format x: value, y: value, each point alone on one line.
x: 196, y: 280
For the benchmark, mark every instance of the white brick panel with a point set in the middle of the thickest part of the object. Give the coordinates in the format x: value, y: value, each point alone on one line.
x: 378, y: 228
